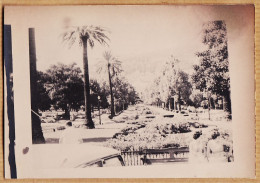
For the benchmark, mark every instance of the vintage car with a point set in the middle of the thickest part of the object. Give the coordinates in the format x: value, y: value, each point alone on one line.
x: 50, y: 156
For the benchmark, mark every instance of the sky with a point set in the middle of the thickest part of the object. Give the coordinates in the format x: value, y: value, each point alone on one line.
x: 142, y: 37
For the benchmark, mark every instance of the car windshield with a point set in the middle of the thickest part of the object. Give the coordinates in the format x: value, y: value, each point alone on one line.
x: 113, y: 161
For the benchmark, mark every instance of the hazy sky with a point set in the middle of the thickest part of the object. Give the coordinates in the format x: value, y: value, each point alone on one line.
x: 142, y: 37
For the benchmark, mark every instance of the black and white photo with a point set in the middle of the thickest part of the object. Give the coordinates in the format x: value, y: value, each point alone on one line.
x: 120, y: 91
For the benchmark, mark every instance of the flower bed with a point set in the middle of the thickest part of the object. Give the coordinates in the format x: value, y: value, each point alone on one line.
x: 164, y: 133
x: 153, y: 135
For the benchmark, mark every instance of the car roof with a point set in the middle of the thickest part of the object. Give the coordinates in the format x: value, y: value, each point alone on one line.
x: 67, y: 155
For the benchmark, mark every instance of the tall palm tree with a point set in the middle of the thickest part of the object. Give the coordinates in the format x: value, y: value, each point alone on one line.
x: 37, y: 134
x: 113, y: 67
x: 86, y: 35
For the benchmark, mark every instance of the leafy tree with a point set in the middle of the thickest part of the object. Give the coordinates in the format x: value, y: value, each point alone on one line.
x: 196, y: 98
x: 86, y: 35
x: 132, y: 95
x: 44, y: 100
x: 212, y: 73
x: 154, y: 93
x: 169, y: 78
x: 164, y: 85
x: 183, y: 87
x: 66, y: 87
x: 172, y: 82
x: 97, y: 90
x: 124, y: 92
x: 113, y: 67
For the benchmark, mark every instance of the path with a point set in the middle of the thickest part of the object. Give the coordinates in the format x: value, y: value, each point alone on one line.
x: 100, y: 134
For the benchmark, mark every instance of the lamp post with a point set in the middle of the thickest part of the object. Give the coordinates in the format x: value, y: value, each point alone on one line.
x: 206, y: 94
x: 99, y: 110
x: 91, y: 100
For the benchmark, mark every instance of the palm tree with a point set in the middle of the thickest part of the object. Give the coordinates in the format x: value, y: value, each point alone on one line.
x: 37, y: 134
x: 85, y: 35
x: 112, y: 67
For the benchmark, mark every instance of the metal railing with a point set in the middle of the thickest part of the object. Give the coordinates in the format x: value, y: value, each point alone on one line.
x: 151, y: 156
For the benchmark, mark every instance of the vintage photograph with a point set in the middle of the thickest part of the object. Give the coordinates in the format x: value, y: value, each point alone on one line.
x: 128, y: 86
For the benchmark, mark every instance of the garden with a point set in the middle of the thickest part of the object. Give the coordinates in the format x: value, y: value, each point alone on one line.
x: 161, y: 132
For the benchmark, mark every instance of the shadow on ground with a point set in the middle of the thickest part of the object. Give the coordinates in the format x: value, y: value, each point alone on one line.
x: 56, y: 140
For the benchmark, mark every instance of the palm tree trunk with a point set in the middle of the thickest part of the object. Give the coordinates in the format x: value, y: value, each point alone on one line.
x: 111, y: 93
x: 227, y: 103
x: 209, y: 106
x: 67, y: 113
x: 209, y: 102
x: 89, y: 122
x: 179, y: 99
x: 37, y: 135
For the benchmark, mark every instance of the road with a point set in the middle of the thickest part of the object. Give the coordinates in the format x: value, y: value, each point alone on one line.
x: 129, y: 117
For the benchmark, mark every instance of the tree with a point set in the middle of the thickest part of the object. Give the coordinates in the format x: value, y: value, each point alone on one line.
x: 113, y: 67
x: 212, y: 73
x: 66, y: 87
x: 164, y: 87
x: 124, y: 92
x: 86, y: 35
x: 196, y: 98
x: 44, y: 99
x: 171, y: 82
x: 154, y: 93
x: 98, y: 90
x: 169, y: 78
x: 183, y: 87
x: 132, y: 95
x: 37, y: 134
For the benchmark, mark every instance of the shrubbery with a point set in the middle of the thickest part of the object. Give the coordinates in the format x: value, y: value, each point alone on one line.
x: 163, y: 133
x: 147, y: 140
x: 155, y: 135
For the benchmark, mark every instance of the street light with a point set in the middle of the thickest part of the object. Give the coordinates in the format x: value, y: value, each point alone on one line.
x: 99, y: 110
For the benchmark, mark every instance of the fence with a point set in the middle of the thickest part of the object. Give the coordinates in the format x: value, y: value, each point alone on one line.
x: 133, y: 157
x: 151, y: 156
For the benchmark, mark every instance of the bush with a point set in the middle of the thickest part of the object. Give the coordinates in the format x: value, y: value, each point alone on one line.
x: 155, y: 135
x: 147, y: 141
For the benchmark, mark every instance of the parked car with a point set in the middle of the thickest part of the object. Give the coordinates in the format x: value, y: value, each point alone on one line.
x: 49, y: 156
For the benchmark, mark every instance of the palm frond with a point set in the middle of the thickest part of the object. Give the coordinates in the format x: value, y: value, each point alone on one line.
x: 90, y: 33
x: 101, y: 38
x: 116, y: 66
x: 70, y: 36
x: 98, y: 34
x: 101, y: 67
x: 91, y: 42
x: 107, y: 56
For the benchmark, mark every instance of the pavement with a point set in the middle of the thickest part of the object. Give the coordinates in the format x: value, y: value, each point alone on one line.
x: 99, y: 134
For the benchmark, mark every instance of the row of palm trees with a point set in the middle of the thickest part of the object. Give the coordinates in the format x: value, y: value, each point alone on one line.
x: 88, y: 36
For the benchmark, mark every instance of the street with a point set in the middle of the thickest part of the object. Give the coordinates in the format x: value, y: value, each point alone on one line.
x: 130, y: 118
